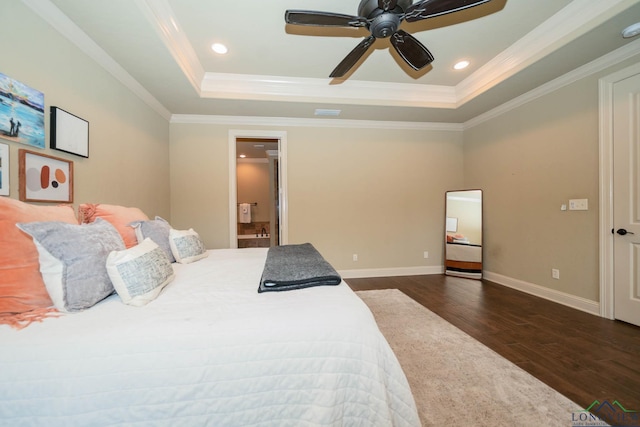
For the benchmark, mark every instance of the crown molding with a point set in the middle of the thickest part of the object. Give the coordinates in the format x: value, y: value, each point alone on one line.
x: 627, y: 51
x: 619, y: 55
x: 295, y: 122
x: 60, y: 22
x: 276, y: 88
x: 569, y: 23
x: 161, y: 17
x: 572, y: 21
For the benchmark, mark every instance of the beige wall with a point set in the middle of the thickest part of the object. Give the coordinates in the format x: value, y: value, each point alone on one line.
x: 200, y: 181
x: 378, y: 193
x: 529, y: 162
x: 129, y: 143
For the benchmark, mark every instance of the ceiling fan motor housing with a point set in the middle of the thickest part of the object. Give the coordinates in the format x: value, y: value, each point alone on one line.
x: 383, y: 24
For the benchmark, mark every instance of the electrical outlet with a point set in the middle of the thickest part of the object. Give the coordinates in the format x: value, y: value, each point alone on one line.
x: 355, y: 257
x: 426, y: 254
x: 555, y: 273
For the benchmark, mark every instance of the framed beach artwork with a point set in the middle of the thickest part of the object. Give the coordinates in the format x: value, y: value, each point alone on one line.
x: 21, y: 113
x: 44, y: 178
x: 4, y: 169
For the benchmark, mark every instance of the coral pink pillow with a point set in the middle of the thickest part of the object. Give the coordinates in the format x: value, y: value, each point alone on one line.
x: 23, y: 296
x: 119, y: 216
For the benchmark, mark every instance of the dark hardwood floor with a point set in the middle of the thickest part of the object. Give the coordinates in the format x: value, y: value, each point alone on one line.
x: 582, y: 356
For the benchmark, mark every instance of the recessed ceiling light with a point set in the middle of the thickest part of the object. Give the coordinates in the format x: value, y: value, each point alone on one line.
x: 219, y: 48
x: 242, y: 156
x: 631, y: 31
x: 461, y: 65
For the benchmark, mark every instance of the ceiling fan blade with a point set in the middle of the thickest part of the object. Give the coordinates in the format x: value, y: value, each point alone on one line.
x: 411, y: 50
x: 387, y: 4
x: 429, y: 8
x: 353, y: 57
x: 323, y: 19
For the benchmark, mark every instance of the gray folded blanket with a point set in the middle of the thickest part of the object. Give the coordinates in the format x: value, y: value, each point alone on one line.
x: 295, y: 267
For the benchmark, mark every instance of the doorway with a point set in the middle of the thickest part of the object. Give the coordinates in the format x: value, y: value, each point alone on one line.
x: 620, y: 195
x: 260, y: 190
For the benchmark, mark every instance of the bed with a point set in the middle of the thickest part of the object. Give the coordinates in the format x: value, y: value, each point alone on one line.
x: 463, y: 259
x: 209, y: 350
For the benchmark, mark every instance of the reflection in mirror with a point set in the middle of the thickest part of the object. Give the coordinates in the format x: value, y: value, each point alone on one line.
x: 463, y: 247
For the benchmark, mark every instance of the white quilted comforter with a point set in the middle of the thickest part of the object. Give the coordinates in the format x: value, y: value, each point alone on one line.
x: 210, y: 351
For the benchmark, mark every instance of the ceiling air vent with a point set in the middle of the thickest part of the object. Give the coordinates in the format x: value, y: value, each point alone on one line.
x: 327, y: 112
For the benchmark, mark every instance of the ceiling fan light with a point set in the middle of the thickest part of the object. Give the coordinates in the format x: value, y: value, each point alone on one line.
x: 461, y: 65
x: 219, y: 48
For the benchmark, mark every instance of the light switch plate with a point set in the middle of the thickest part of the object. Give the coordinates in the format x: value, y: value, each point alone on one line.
x: 579, y: 204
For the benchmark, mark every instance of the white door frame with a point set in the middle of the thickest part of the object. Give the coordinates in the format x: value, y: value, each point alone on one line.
x: 233, y: 181
x: 606, y: 187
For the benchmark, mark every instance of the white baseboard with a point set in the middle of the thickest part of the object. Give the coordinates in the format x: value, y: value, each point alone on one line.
x: 579, y: 303
x: 572, y: 301
x: 390, y: 272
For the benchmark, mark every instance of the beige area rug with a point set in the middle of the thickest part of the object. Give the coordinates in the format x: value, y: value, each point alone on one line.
x: 456, y: 380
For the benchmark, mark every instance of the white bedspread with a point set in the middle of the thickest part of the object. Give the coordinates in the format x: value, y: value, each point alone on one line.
x: 460, y: 252
x: 210, y: 351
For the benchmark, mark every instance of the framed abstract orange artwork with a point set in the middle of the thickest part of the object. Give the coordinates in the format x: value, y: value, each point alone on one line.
x: 44, y: 178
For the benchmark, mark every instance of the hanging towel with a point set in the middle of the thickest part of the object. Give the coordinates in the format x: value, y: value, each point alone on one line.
x: 244, y: 212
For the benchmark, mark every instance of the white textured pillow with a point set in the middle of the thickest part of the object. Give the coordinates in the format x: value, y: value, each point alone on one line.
x: 186, y: 246
x: 72, y: 260
x: 140, y: 273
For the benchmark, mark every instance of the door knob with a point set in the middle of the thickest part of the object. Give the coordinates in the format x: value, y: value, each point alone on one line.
x: 622, y: 231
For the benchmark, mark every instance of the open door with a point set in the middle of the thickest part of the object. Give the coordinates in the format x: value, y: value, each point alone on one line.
x: 277, y: 202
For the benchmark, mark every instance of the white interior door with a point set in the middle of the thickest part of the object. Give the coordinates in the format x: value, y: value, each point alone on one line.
x: 282, y: 181
x: 626, y: 199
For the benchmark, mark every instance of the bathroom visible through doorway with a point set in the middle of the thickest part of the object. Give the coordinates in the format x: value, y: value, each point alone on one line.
x: 257, y: 195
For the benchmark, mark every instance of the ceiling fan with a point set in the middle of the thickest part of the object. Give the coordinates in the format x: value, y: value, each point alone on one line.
x: 383, y: 18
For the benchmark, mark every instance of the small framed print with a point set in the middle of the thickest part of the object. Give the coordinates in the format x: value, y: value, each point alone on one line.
x: 452, y: 225
x: 69, y: 133
x: 44, y: 178
x: 4, y: 170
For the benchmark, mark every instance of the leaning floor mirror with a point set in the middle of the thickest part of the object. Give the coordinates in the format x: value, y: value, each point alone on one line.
x: 463, y: 247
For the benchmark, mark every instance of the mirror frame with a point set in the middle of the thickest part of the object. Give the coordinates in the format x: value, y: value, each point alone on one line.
x: 461, y: 257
